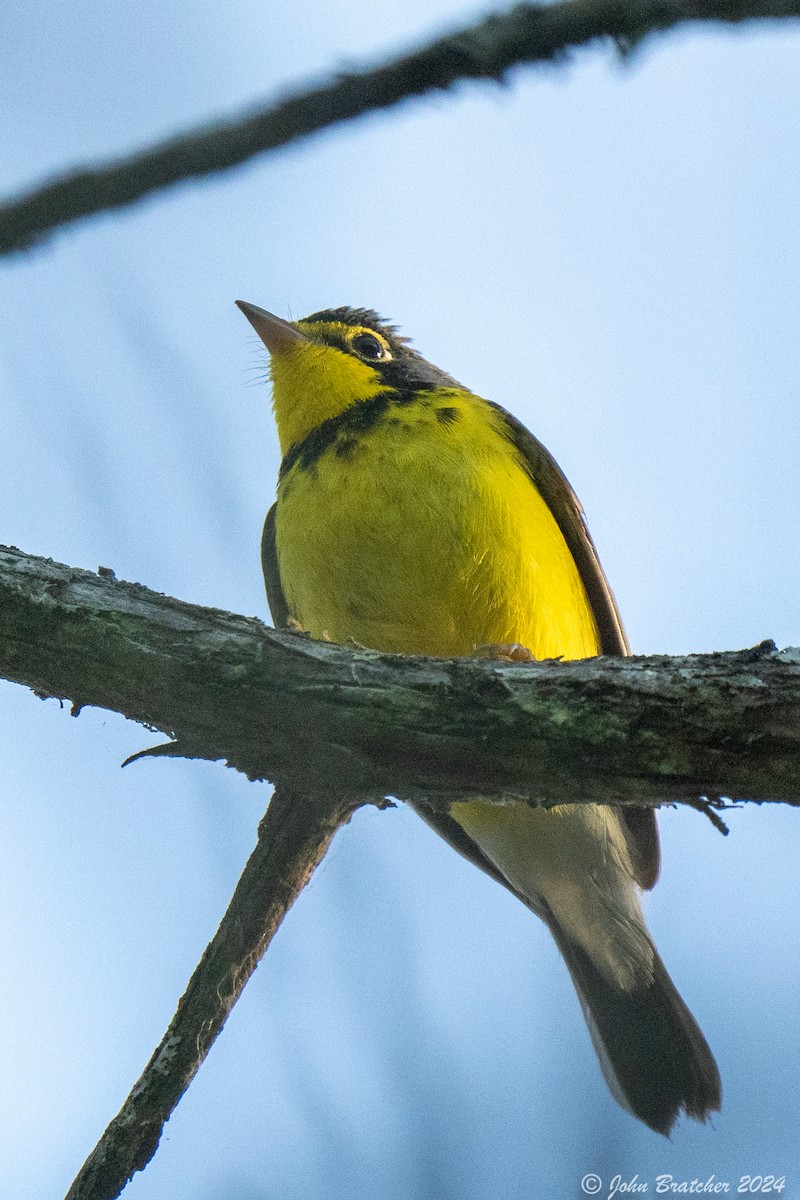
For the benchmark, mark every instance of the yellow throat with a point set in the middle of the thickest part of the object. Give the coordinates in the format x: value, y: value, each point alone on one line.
x: 406, y: 518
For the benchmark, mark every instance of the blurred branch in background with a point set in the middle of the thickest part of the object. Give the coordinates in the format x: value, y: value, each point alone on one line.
x: 526, y: 33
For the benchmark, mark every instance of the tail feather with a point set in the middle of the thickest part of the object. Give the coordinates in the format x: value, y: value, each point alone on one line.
x: 654, y: 1056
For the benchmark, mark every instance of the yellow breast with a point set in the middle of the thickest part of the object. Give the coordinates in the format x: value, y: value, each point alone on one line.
x: 423, y: 534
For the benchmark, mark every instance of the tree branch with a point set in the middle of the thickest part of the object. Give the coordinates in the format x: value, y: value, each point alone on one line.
x: 339, y: 728
x: 526, y: 33
x: 312, y: 715
x: 292, y: 839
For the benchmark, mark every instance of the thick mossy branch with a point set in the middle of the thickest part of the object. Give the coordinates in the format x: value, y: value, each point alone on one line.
x: 526, y: 33
x: 312, y: 715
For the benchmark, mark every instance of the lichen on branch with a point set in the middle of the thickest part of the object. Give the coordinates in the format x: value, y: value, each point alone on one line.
x: 313, y: 715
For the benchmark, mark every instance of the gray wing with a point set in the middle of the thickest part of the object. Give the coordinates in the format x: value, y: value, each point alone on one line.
x: 553, y: 486
x: 272, y: 578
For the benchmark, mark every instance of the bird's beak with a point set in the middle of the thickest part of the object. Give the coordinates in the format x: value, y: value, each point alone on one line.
x: 276, y: 334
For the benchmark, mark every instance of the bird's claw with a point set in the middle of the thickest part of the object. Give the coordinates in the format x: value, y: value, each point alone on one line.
x: 506, y: 652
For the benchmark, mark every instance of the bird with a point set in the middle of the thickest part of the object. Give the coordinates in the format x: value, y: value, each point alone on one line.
x: 413, y: 516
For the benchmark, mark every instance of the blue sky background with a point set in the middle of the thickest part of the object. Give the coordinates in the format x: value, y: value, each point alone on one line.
x: 608, y: 249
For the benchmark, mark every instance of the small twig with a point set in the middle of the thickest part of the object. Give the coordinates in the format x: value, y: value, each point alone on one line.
x: 292, y: 839
x: 710, y: 807
x: 525, y: 33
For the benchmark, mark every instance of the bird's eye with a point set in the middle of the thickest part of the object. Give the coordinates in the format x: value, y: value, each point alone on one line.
x: 367, y: 346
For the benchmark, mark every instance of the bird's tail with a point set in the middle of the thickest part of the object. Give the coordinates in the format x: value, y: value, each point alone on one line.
x: 654, y: 1056
x: 573, y: 867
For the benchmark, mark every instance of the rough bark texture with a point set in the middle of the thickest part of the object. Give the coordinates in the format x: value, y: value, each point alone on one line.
x: 292, y: 839
x: 526, y: 33
x: 311, y: 715
x: 338, y: 727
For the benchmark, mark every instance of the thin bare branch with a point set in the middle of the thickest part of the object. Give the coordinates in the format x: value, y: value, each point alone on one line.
x: 312, y: 715
x: 526, y: 33
x: 292, y: 839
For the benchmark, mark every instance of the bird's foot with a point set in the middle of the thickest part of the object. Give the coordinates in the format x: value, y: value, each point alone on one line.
x: 506, y: 652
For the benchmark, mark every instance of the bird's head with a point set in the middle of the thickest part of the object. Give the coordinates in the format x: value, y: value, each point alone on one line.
x: 322, y: 365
